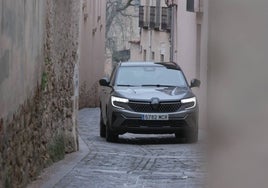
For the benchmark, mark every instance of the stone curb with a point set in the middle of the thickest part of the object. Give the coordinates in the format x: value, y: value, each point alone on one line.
x: 53, y: 174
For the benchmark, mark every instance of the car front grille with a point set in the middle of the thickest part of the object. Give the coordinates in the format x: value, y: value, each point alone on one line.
x: 149, y: 108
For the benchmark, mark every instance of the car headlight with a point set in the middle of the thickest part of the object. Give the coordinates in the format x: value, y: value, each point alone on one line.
x: 119, y: 102
x: 189, y: 103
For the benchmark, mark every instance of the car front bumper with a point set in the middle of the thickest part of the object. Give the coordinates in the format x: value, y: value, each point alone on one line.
x: 123, y: 121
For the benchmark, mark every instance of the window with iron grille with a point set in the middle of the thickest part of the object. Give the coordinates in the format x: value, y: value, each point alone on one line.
x: 141, y: 16
x: 190, y: 5
x: 157, y: 15
x: 169, y: 18
x: 152, y: 16
x: 146, y: 17
x: 194, y: 5
x: 166, y: 18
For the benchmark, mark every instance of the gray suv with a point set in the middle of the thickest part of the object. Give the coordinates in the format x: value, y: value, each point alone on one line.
x: 148, y: 98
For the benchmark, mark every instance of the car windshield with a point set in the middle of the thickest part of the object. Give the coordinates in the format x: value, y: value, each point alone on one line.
x: 149, y: 76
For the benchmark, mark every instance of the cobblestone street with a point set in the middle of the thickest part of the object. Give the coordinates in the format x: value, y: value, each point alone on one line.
x: 135, y: 161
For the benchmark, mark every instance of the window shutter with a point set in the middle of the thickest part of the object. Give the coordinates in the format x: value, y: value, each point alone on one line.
x: 146, y: 18
x: 169, y: 10
x: 194, y: 5
x: 164, y: 18
x: 157, y: 16
x: 152, y: 16
x: 141, y: 16
x: 190, y: 5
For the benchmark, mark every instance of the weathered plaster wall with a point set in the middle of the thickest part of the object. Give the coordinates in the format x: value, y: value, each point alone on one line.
x: 21, y: 39
x: 191, y: 37
x: 39, y: 53
x: 93, y: 46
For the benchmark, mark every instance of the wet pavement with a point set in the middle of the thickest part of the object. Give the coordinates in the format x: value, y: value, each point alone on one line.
x: 148, y: 161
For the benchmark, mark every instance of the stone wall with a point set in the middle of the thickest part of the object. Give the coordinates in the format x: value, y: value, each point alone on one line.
x: 61, y: 61
x: 21, y: 51
x: 38, y: 85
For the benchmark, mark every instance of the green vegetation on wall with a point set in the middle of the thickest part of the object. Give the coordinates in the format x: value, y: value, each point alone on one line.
x: 56, y: 148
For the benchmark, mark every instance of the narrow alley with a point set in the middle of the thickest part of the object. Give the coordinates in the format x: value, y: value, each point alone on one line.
x: 135, y: 161
x: 194, y: 68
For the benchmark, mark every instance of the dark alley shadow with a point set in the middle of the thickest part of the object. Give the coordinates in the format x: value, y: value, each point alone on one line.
x: 138, y: 140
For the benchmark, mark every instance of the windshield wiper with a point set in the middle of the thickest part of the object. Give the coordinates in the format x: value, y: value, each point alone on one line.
x: 125, y: 85
x: 157, y: 85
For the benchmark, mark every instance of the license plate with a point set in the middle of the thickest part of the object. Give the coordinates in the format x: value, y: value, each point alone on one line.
x: 161, y: 117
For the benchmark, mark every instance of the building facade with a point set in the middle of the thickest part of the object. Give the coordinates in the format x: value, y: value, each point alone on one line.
x: 92, y: 45
x: 155, y: 27
x: 190, y: 46
x: 175, y: 30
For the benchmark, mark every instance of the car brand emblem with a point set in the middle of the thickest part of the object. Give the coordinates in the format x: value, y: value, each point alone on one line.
x: 155, y: 103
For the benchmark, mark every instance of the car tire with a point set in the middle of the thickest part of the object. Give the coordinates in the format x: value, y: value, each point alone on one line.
x: 111, y: 136
x: 192, y: 136
x: 102, y: 127
x: 180, y: 134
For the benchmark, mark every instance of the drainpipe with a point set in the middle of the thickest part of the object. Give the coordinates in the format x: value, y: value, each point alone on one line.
x: 150, y: 35
x: 172, y: 32
x: 150, y: 45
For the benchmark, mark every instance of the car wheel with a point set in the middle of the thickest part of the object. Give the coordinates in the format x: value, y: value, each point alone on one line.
x: 179, y: 134
x: 192, y: 136
x: 111, y: 136
x: 102, y: 127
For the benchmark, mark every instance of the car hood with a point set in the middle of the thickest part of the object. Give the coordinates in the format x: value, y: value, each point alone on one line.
x: 147, y: 93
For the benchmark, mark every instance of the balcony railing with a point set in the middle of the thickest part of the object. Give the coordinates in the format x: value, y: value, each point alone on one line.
x: 155, y: 17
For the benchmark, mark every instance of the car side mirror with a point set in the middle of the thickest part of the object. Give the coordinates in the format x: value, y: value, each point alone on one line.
x: 104, y: 82
x: 195, y: 83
